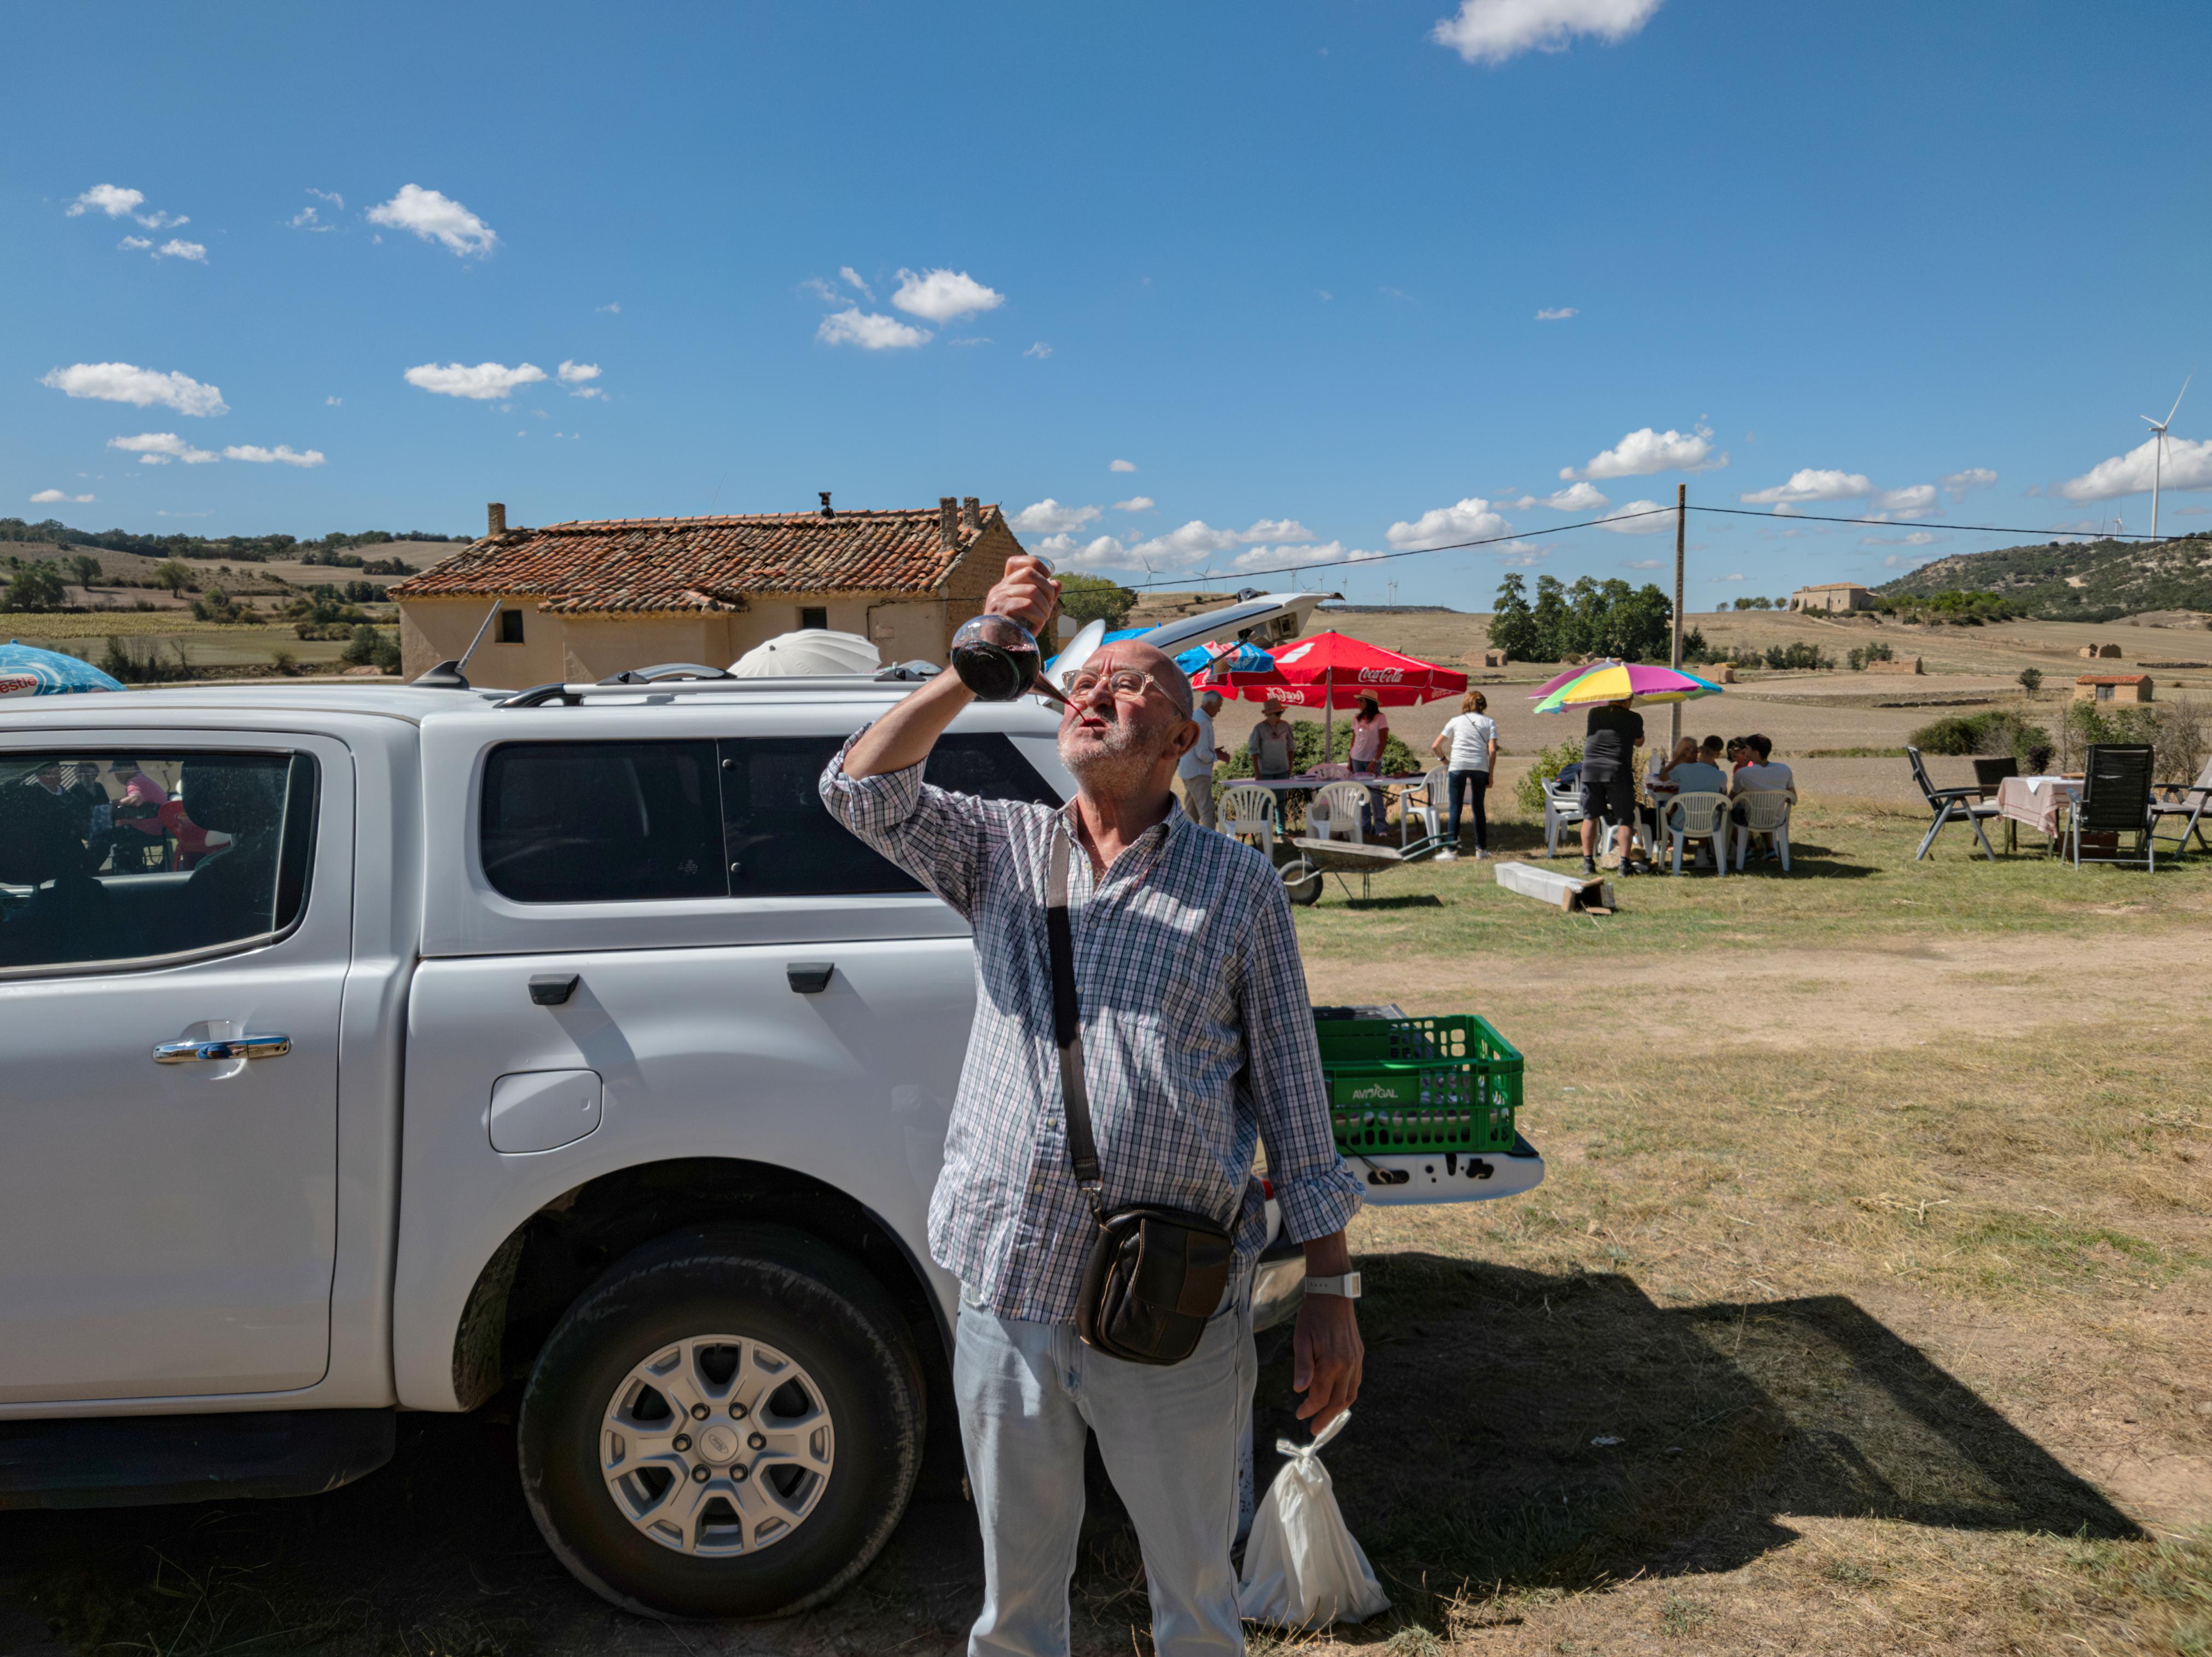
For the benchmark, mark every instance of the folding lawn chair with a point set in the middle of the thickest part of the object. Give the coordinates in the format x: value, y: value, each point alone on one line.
x: 2115, y: 800
x: 2183, y: 805
x: 1951, y: 805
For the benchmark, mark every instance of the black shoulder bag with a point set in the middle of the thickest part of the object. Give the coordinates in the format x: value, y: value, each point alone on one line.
x: 1155, y: 1275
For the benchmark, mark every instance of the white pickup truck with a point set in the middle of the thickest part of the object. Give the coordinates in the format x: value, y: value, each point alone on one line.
x: 366, y: 1049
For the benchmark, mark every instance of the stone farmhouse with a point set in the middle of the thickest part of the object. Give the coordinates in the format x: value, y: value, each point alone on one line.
x: 583, y: 600
x: 2113, y: 687
x: 1830, y: 596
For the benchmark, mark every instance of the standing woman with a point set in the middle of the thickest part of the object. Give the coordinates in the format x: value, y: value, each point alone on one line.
x: 1371, y: 728
x: 1468, y: 745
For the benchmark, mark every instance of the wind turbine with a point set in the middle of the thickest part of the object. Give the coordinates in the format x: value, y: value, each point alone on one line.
x: 2158, y: 454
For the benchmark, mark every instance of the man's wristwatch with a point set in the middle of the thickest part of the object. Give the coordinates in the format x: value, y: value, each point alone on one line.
x: 1346, y: 1285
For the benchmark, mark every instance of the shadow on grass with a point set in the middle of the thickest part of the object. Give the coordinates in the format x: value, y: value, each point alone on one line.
x: 1517, y: 1431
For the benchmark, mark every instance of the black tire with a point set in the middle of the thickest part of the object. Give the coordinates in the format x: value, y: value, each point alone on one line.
x: 796, y: 1295
x: 1302, y: 881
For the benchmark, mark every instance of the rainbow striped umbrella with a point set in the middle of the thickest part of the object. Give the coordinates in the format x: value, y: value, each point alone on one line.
x: 1630, y: 681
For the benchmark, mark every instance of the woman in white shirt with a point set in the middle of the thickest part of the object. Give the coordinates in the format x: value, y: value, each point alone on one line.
x: 1468, y: 746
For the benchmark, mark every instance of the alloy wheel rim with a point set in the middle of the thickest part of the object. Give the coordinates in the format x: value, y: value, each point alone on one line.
x: 717, y: 1445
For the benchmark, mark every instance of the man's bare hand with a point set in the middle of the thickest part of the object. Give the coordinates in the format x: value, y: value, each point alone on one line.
x: 1026, y: 594
x: 1327, y: 1358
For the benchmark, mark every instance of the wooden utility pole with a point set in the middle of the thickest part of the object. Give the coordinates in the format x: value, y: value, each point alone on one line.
x: 1681, y: 522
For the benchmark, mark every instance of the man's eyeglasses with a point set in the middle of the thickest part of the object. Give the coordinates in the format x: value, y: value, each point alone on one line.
x: 1125, y: 682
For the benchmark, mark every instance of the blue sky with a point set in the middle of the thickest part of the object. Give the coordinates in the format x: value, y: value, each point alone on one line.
x: 1290, y: 265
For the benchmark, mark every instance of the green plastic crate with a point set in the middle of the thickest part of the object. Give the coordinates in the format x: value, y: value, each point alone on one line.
x: 1399, y: 1087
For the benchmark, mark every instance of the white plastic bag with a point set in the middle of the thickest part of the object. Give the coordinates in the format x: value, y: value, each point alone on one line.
x: 1302, y: 1568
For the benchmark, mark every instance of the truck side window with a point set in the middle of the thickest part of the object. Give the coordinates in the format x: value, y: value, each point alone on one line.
x: 116, y: 859
x: 782, y: 842
x: 600, y: 822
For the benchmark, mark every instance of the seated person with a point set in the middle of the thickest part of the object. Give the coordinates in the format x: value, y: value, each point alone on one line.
x: 1660, y: 787
x: 1691, y: 772
x: 1759, y: 775
x: 66, y: 916
x: 1712, y: 750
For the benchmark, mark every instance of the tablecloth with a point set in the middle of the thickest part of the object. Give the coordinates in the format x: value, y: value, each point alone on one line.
x: 2036, y: 801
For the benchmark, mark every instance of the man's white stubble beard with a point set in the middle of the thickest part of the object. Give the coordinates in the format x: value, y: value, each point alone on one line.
x: 1112, y: 762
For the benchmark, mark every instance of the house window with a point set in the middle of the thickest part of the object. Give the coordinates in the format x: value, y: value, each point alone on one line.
x: 814, y: 615
x: 510, y: 627
x: 2105, y: 692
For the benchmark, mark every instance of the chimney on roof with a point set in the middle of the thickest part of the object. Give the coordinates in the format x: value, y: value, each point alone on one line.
x: 971, y: 512
x: 826, y: 512
x: 495, y: 518
x: 948, y: 524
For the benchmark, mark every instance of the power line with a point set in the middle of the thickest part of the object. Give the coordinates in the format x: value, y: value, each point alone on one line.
x: 1422, y: 551
x: 1897, y: 523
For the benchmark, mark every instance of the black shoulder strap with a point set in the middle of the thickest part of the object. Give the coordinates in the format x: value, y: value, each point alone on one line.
x: 1067, y: 1020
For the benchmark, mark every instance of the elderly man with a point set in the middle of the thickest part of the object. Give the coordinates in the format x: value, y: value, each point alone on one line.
x: 1196, y: 770
x: 1194, y: 1042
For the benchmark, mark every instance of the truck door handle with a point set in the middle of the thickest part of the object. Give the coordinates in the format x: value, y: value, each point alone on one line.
x: 808, y: 977
x: 221, y: 1049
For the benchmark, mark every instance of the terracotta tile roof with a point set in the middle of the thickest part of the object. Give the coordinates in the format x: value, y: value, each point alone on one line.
x: 692, y: 564
x: 2113, y: 678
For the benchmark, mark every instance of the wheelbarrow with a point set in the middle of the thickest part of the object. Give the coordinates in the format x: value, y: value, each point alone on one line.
x: 1303, y: 863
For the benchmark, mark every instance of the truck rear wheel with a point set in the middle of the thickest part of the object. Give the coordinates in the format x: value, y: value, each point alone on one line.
x: 727, y: 1424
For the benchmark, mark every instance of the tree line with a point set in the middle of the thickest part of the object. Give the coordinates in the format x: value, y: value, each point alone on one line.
x: 1589, y: 618
x: 333, y: 548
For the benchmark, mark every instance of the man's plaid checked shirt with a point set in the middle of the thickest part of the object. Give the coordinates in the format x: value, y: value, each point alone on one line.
x: 1197, y: 1040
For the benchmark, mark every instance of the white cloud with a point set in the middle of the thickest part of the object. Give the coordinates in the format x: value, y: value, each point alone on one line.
x: 194, y: 251
x: 822, y: 290
x: 1471, y: 520
x: 1103, y: 553
x: 1325, y: 296
x: 333, y: 402
x: 1122, y: 466
x: 1557, y: 314
x: 2188, y: 466
x: 613, y: 307
x: 1813, y: 483
x: 109, y: 198
x: 579, y: 374
x: 1189, y: 544
x: 941, y: 296
x: 284, y: 455
x: 1959, y: 482
x: 308, y: 219
x: 1645, y: 451
x: 871, y: 330
x: 133, y: 244
x: 1039, y: 350
x: 48, y: 497
x: 1136, y: 504
x: 1049, y: 517
x: 970, y: 339
x: 1277, y: 529
x: 158, y: 448
x: 1271, y: 557
x: 329, y: 196
x: 1492, y: 31
x: 1638, y: 518
x: 1737, y: 577
x: 853, y: 277
x: 1577, y: 497
x: 1640, y: 563
x: 1917, y: 537
x: 1916, y: 501
x: 121, y: 382
x: 435, y: 217
x: 486, y: 382
x: 1398, y: 294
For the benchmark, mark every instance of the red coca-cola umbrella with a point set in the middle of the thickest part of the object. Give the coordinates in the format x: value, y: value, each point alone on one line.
x: 1330, y: 671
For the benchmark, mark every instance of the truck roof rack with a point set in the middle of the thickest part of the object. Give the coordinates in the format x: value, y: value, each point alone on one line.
x: 679, y: 679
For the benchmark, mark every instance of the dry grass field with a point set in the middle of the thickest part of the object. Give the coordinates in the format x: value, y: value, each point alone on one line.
x: 1866, y: 1308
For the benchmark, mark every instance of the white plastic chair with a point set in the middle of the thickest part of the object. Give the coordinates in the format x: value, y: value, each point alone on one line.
x: 1699, y: 816
x: 1563, y: 808
x: 1248, y: 808
x: 1335, y: 812
x: 1428, y: 802
x: 1765, y: 811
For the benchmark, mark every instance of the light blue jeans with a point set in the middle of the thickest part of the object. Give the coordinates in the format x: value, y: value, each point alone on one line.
x: 1028, y: 1395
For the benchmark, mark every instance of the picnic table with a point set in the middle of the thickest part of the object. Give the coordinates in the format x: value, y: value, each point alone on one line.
x: 2037, y: 802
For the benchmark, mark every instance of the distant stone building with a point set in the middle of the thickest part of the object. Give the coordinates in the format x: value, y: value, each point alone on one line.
x: 2107, y: 652
x: 579, y: 601
x: 1830, y: 596
x: 2112, y: 687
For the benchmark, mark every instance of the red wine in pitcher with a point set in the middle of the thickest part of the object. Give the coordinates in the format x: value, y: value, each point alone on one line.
x: 993, y: 672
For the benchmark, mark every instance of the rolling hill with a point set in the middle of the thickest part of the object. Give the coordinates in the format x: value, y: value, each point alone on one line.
x: 2077, y: 580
